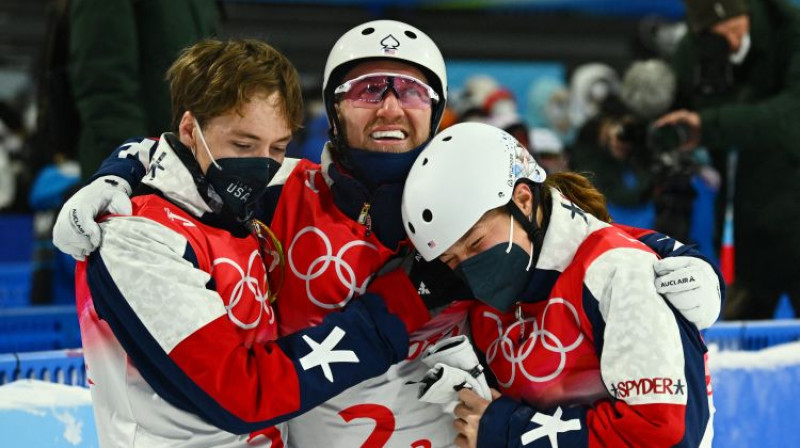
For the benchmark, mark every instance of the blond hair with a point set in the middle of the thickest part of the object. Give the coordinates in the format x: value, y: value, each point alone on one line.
x: 213, y: 77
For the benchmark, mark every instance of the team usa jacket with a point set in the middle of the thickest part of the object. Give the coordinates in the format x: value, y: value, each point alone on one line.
x: 333, y: 251
x: 593, y: 356
x: 337, y: 235
x: 182, y: 346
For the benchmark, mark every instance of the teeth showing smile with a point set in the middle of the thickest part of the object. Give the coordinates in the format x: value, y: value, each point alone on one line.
x: 396, y: 135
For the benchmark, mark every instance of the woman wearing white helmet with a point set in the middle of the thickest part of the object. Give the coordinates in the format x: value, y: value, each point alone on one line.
x: 583, y: 348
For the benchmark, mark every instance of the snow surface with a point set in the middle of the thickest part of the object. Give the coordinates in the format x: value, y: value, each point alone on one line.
x: 769, y: 358
x: 31, y: 395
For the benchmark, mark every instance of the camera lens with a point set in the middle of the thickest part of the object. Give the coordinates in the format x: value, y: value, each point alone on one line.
x: 668, y: 137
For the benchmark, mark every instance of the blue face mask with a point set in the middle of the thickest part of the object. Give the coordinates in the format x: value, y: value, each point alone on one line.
x: 496, y: 277
x: 378, y: 168
x: 499, y: 275
x: 239, y: 181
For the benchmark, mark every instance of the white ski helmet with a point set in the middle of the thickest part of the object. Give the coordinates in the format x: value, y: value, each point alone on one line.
x: 465, y: 171
x: 385, y: 39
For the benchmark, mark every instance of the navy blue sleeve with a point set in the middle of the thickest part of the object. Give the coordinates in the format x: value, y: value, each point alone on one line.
x: 129, y: 161
x: 361, y: 342
x: 508, y: 423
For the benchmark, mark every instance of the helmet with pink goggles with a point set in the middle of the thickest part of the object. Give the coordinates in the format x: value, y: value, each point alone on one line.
x: 393, y: 40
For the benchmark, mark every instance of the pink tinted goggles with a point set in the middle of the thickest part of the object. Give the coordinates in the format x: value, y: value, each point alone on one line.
x: 368, y: 91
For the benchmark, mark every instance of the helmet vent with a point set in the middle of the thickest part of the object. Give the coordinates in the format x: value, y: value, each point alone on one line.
x: 427, y: 216
x: 367, y: 31
x: 411, y: 34
x: 447, y: 139
x: 424, y: 161
x: 411, y: 228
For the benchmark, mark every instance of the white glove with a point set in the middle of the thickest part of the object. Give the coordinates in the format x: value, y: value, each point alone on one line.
x: 75, y: 232
x: 692, y: 286
x: 457, y: 353
x: 442, y: 383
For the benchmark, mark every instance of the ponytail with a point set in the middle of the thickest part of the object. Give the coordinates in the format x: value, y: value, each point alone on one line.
x: 579, y: 190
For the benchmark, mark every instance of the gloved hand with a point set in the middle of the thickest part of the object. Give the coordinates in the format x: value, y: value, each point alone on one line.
x: 442, y: 383
x: 455, y: 353
x: 75, y: 232
x: 692, y: 286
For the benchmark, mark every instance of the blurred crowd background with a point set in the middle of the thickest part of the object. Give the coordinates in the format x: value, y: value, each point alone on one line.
x: 579, y: 82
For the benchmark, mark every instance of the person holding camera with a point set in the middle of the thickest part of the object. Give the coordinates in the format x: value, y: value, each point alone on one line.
x: 738, y: 76
x: 626, y: 154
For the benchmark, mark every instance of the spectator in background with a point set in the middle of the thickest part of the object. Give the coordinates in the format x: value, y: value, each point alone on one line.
x: 101, y: 82
x: 11, y: 143
x: 548, y: 106
x: 601, y: 148
x: 119, y: 51
x: 485, y: 100
x: 548, y: 150
x: 738, y: 76
x: 590, y: 85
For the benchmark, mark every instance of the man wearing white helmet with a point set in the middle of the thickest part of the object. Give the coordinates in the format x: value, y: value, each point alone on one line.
x: 583, y: 348
x: 384, y: 89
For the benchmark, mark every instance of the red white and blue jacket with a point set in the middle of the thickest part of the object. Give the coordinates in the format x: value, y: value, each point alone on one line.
x: 181, y: 343
x: 593, y: 357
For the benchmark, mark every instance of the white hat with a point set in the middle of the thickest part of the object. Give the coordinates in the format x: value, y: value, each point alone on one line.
x: 545, y: 141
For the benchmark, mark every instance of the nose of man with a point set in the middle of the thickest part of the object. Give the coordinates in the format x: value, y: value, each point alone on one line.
x: 390, y: 106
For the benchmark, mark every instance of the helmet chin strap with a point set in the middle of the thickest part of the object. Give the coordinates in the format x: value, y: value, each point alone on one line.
x: 340, y: 146
x: 535, y: 233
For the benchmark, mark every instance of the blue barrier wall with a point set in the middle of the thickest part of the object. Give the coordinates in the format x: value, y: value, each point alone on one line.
x: 754, y: 335
x: 39, y: 328
x: 57, y: 366
x: 16, y: 235
x: 757, y: 396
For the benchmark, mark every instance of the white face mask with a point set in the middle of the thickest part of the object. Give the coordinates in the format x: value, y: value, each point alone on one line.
x: 738, y: 57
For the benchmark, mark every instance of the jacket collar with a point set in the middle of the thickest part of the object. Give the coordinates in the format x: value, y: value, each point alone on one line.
x: 175, y: 174
x: 569, y: 226
x: 350, y: 195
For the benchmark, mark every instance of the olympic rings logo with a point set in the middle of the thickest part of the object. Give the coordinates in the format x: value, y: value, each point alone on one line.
x: 253, y: 285
x: 319, y: 265
x: 505, y: 345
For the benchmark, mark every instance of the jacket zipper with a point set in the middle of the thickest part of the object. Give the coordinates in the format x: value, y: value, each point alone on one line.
x: 364, y: 218
x: 518, y: 313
